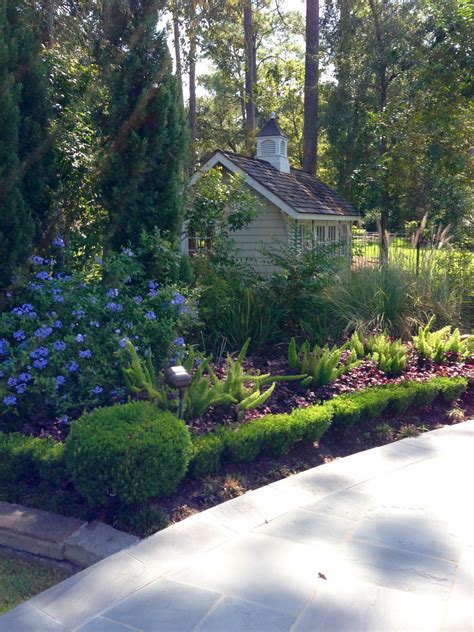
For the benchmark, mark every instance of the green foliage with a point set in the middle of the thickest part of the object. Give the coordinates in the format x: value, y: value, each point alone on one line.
x: 451, y: 389
x: 207, y: 455
x: 390, y: 356
x: 25, y: 197
x: 142, y: 126
x: 372, y: 298
x: 345, y: 412
x: 219, y: 205
x: 132, y: 450
x: 437, y: 345
x: 321, y: 365
x: 27, y: 461
x: 357, y: 344
x: 250, y: 314
x: 301, y: 274
x: 312, y: 422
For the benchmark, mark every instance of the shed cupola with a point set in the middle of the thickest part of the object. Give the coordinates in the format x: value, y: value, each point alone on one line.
x: 272, y: 145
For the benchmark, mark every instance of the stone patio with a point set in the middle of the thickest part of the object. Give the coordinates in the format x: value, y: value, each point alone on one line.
x: 380, y: 541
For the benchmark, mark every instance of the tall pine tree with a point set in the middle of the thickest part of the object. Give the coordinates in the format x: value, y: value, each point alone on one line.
x: 143, y: 123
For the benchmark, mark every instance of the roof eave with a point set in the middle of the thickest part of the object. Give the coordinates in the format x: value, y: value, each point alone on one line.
x: 219, y: 157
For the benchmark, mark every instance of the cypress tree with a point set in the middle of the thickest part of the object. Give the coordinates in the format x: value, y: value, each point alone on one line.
x: 144, y: 125
x: 26, y: 168
x: 16, y: 223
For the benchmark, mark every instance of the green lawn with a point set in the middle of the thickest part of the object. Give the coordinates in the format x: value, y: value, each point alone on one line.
x: 21, y: 580
x: 402, y: 251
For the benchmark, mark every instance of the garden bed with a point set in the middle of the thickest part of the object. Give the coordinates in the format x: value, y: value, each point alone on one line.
x: 227, y: 478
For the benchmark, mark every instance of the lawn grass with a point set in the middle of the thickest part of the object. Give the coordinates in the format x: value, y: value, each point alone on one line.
x: 20, y: 580
x: 403, y: 253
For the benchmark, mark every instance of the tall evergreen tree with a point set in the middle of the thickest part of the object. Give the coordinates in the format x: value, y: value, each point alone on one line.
x: 27, y: 180
x: 143, y: 124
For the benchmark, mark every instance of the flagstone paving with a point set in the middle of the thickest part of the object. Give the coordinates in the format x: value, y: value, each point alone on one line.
x: 380, y: 541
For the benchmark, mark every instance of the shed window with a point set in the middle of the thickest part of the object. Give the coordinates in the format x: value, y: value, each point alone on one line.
x: 320, y: 233
x: 332, y: 233
x: 198, y: 243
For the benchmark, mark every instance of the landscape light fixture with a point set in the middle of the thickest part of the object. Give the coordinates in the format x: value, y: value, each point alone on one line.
x: 178, y: 377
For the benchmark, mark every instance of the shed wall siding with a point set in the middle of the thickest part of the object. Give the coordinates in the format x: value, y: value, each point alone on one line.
x: 266, y: 230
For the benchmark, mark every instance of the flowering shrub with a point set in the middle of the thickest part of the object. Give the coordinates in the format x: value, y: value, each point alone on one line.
x: 60, y: 334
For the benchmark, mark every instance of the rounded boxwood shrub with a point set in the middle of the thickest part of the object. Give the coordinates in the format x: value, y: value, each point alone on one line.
x: 133, y: 451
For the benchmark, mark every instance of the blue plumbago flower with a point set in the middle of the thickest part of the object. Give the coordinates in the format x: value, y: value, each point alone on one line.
x: 152, y: 293
x: 80, y: 338
x: 117, y: 331
x: 178, y: 299
x: 43, y: 332
x: 25, y: 377
x: 78, y: 312
x: 19, y: 334
x: 128, y: 252
x: 94, y: 323
x: 86, y: 354
x: 100, y: 261
x: 128, y: 279
x: 50, y: 262
x: 21, y: 388
x: 2, y: 373
x: 43, y: 275
x: 36, y: 287
x: 9, y: 400
x: 51, y: 314
x: 153, y: 285
x: 25, y: 309
x: 58, y: 242
x: 93, y: 300
x: 12, y: 382
x: 179, y: 342
x: 115, y: 307
x: 112, y: 292
x: 4, y: 347
x: 72, y: 366
x: 150, y: 315
x: 137, y: 299
x: 41, y: 363
x: 60, y: 379
x: 40, y: 352
x: 59, y: 345
x: 64, y: 419
x: 58, y: 298
x: 82, y: 284
x: 123, y: 342
x: 97, y: 390
x: 57, y: 324
x: 128, y: 324
x: 37, y: 260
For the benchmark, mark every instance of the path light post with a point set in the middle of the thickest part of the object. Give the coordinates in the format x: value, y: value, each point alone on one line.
x: 178, y: 377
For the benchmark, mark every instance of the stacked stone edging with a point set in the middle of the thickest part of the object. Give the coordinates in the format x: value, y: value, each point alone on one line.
x: 59, y: 538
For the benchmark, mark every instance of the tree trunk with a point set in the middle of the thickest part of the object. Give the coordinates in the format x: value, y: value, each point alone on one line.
x: 311, y: 79
x: 177, y: 50
x: 48, y: 10
x: 192, y: 96
x: 250, y: 75
x: 383, y: 144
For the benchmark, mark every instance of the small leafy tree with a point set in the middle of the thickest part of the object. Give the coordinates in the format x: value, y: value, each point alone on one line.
x: 218, y: 205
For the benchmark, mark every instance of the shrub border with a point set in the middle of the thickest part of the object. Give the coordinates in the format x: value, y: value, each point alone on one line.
x: 274, y: 435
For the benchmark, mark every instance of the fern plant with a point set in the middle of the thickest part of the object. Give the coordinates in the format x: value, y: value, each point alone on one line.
x: 319, y: 365
x: 389, y: 355
x: 238, y: 388
x: 357, y: 344
x: 436, y: 345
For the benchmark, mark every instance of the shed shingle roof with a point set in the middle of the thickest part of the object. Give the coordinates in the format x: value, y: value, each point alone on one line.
x: 303, y: 192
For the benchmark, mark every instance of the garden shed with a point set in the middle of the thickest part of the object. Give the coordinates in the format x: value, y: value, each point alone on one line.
x: 295, y: 204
